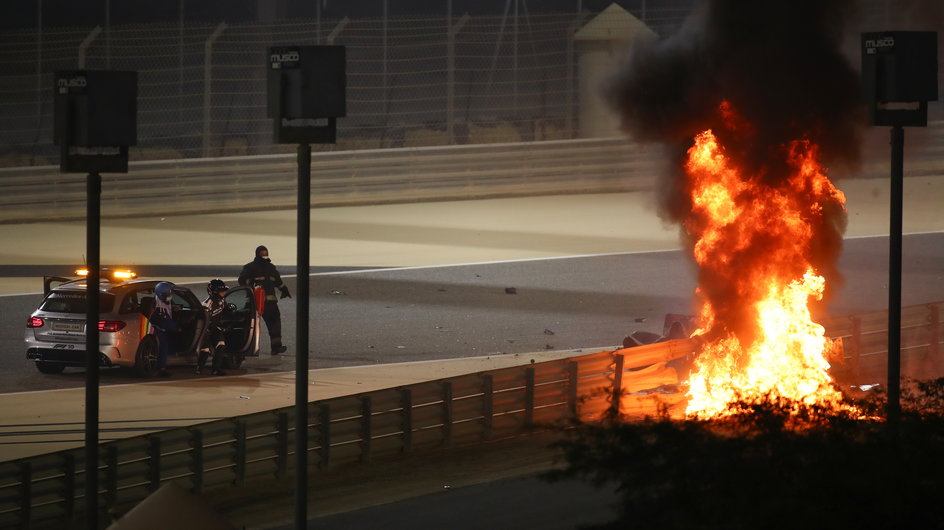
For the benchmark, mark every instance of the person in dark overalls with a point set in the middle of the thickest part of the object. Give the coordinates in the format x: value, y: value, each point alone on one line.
x: 261, y: 272
x: 163, y: 324
x: 214, y: 342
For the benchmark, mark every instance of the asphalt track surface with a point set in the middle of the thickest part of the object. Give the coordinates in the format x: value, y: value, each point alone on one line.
x: 365, y: 317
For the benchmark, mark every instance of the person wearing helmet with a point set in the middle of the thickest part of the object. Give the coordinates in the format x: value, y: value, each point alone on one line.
x: 262, y: 273
x: 215, y: 339
x: 163, y: 323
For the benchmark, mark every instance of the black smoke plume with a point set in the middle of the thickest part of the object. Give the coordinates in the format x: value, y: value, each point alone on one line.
x: 780, y: 66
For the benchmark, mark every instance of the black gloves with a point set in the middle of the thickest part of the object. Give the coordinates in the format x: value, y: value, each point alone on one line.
x: 285, y: 293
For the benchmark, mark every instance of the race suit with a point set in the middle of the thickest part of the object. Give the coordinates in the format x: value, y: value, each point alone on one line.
x: 214, y: 342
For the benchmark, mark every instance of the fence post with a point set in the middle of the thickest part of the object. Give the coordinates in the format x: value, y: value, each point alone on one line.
x: 282, y: 470
x: 570, y: 77
x: 451, y: 75
x: 83, y: 47
x: 856, y: 341
x: 529, y: 397
x: 324, y: 428
x: 207, y: 84
x: 367, y: 411
x: 617, y: 384
x: 196, y: 461
x: 26, y: 494
x: 111, y: 475
x: 407, y: 415
x: 337, y: 30
x: 447, y: 412
x: 488, y: 411
x: 934, y: 330
x: 240, y: 463
x: 572, y: 368
x: 154, y: 463
x: 68, y: 487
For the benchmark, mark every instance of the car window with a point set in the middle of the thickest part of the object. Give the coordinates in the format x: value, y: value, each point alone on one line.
x: 132, y: 301
x: 240, y: 298
x: 74, y: 302
x: 180, y: 301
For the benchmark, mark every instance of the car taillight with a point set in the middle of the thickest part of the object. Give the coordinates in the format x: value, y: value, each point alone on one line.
x: 34, y: 322
x: 110, y: 326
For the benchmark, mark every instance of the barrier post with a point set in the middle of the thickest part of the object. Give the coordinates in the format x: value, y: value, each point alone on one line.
x: 367, y: 411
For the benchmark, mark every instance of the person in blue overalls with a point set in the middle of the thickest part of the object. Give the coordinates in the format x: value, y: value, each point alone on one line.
x: 163, y: 324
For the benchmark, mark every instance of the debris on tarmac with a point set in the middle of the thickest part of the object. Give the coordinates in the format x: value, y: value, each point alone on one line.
x: 643, y: 319
x: 244, y: 397
x: 336, y: 292
x: 511, y: 290
x: 548, y: 332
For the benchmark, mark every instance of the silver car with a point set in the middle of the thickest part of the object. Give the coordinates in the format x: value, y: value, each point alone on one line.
x: 55, y: 332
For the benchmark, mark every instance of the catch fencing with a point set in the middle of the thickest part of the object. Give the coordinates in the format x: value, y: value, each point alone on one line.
x: 440, y: 78
x: 412, y: 80
x: 47, y: 491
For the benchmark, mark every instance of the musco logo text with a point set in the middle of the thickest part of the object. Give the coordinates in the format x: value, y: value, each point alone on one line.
x: 283, y: 59
x: 71, y: 84
x: 873, y: 45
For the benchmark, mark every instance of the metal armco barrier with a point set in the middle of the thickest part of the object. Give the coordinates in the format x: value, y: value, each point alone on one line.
x: 865, y: 343
x: 338, y: 178
x: 47, y: 491
x: 370, y: 176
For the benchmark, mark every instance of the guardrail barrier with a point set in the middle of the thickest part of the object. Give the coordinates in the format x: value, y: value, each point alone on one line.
x: 370, y: 176
x: 47, y: 491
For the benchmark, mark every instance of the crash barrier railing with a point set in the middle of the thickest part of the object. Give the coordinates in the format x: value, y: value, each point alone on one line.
x: 865, y: 344
x: 370, y: 176
x: 338, y: 178
x: 47, y: 491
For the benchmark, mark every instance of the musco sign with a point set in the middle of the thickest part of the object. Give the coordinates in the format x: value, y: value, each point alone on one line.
x: 885, y: 43
x: 281, y: 58
x: 71, y: 83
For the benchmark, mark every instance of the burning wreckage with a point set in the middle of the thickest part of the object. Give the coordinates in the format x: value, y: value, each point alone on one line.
x: 753, y: 124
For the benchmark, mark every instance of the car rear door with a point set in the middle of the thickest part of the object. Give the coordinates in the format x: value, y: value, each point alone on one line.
x: 51, y: 282
x: 242, y: 330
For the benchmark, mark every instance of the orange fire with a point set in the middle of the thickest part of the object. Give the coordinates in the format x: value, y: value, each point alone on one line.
x: 753, y: 242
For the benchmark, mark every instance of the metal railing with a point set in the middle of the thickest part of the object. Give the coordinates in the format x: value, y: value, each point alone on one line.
x: 865, y: 343
x: 369, y: 176
x: 47, y: 491
x: 339, y: 178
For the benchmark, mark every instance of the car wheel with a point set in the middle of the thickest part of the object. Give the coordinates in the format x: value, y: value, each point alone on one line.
x: 145, y: 359
x: 231, y: 362
x: 50, y: 368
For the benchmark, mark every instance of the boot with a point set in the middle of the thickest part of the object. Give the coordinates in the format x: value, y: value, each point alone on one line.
x: 277, y: 346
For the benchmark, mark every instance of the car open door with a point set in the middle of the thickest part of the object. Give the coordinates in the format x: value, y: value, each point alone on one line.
x: 50, y: 282
x: 241, y: 322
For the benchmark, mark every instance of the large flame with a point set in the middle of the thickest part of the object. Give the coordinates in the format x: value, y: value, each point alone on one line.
x: 753, y: 240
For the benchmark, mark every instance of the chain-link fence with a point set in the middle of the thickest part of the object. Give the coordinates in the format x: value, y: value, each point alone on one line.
x: 412, y: 80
